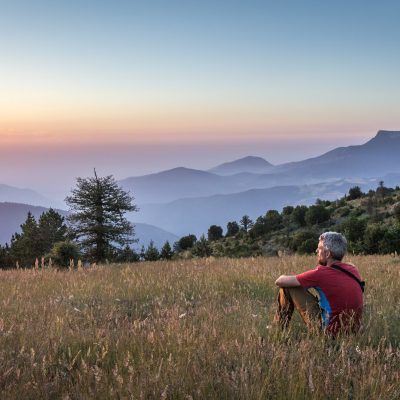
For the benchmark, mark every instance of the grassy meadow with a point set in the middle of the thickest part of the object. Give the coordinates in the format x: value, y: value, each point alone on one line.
x: 196, y: 329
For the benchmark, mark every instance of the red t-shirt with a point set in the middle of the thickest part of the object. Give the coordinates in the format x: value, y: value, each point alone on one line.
x: 341, y: 298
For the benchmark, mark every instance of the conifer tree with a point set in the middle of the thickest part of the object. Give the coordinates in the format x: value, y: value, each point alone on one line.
x: 246, y: 223
x: 202, y: 248
x: 51, y: 229
x: 97, y: 219
x: 25, y: 246
x: 152, y: 253
x: 166, y: 251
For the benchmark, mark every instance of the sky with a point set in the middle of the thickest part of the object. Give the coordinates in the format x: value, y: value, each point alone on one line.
x: 132, y: 87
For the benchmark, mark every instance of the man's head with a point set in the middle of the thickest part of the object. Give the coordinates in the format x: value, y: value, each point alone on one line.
x: 332, y: 245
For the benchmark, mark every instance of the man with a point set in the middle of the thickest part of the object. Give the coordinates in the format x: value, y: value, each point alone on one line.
x: 338, y: 307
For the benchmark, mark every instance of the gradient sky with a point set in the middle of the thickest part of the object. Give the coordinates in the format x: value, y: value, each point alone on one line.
x: 207, y: 80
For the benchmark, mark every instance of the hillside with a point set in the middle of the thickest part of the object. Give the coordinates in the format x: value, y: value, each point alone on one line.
x: 195, y: 215
x: 370, y: 221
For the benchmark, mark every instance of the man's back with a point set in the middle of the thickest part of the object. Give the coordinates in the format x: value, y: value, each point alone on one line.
x: 341, y: 297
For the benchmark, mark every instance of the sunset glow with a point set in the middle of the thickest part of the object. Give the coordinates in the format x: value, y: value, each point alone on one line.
x: 195, y: 74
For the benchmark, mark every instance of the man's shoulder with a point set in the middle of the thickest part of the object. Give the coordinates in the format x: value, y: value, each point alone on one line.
x: 349, y: 267
x: 318, y: 269
x: 310, y: 273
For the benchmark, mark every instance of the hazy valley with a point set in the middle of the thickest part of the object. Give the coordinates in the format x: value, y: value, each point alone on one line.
x: 180, y: 201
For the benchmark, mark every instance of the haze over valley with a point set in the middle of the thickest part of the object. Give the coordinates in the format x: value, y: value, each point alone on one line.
x: 180, y: 201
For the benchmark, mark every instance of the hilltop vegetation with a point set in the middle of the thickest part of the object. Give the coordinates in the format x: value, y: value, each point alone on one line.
x: 189, y: 329
x: 370, y: 221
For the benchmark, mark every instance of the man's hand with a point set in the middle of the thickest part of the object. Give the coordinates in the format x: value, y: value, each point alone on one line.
x: 287, y: 281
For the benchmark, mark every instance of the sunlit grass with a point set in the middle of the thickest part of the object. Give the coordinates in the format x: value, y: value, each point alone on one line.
x: 189, y: 329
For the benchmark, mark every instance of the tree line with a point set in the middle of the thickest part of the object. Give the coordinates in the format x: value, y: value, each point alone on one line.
x: 370, y: 221
x: 97, y: 231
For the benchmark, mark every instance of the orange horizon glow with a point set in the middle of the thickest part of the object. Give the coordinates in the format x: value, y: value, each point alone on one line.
x: 173, y: 125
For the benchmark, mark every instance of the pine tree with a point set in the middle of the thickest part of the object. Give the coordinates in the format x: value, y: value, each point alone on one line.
x: 128, y: 255
x: 97, y: 219
x: 166, y: 251
x: 5, y: 257
x: 246, y: 223
x: 25, y: 246
x: 152, y: 253
x: 202, y: 248
x: 51, y: 229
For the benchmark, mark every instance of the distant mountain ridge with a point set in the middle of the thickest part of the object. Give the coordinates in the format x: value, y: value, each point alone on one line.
x: 378, y: 157
x: 13, y: 194
x: 255, y: 165
x: 175, y: 183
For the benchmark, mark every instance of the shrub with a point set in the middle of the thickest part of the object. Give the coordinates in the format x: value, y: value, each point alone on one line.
x: 63, y: 252
x: 396, y: 211
x: 353, y: 228
x: 185, y: 243
x: 214, y: 233
x: 202, y: 248
x: 372, y: 238
x: 316, y: 214
x: 232, y: 228
x: 298, y: 215
x: 355, y: 193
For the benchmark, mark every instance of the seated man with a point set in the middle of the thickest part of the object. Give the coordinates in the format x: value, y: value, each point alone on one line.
x: 339, y: 287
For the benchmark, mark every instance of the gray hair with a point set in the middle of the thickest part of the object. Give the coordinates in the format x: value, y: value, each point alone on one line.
x: 336, y: 243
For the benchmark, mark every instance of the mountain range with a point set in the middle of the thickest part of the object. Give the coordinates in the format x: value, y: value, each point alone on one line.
x: 376, y: 158
x: 18, y: 195
x: 256, y: 165
x: 183, y: 200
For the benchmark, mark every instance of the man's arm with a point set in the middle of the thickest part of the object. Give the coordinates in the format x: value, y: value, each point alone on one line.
x: 287, y: 281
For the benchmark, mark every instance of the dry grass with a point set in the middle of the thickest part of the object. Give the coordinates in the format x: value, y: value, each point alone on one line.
x: 194, y: 329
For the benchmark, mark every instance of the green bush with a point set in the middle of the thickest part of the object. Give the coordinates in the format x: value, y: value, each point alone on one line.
x: 63, y: 252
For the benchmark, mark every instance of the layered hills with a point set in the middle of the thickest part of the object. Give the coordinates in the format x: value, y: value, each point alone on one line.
x: 183, y: 200
x: 189, y: 201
